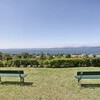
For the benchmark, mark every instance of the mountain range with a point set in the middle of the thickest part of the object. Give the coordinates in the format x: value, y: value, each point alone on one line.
x: 65, y: 50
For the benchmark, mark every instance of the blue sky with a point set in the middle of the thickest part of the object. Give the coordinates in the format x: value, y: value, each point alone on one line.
x: 49, y: 23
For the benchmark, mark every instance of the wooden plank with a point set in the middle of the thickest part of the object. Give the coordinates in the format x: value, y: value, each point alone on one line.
x: 88, y: 73
x: 88, y: 77
x: 12, y: 71
x: 13, y: 75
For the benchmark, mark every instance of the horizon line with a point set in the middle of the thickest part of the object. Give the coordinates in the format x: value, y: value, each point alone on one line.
x: 49, y: 47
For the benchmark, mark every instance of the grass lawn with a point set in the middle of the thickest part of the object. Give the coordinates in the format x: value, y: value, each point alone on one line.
x: 50, y: 84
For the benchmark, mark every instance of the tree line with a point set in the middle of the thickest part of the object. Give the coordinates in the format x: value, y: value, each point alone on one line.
x: 47, y: 60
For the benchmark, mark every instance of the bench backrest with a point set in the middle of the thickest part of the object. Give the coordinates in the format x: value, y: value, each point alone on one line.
x: 88, y: 73
x: 11, y: 72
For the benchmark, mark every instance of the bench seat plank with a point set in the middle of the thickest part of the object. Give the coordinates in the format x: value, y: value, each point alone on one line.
x: 88, y: 77
x: 13, y: 75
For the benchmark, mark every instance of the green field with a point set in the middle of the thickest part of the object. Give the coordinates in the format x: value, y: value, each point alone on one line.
x: 50, y: 84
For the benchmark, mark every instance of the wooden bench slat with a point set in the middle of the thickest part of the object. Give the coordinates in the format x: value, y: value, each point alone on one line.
x: 12, y: 71
x: 88, y: 76
x: 88, y: 73
x: 13, y: 75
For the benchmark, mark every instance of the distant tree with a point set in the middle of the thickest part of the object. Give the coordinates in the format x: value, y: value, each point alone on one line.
x: 94, y: 55
x: 1, y: 56
x: 42, y: 56
x: 59, y: 55
x: 7, y: 56
x: 25, y: 55
x: 17, y: 56
x: 68, y: 55
x: 49, y: 56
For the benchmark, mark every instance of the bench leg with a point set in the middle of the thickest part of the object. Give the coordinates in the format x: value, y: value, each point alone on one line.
x: 0, y: 81
x: 79, y: 83
x: 21, y: 80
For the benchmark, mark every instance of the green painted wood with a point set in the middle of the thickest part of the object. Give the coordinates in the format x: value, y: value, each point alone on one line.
x: 87, y: 76
x: 12, y: 75
x: 12, y: 71
x: 88, y: 73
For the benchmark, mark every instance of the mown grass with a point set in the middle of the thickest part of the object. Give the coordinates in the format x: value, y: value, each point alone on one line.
x: 50, y: 84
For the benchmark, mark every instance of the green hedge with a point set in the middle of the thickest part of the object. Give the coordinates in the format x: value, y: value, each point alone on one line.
x: 72, y: 62
x: 25, y: 62
x: 54, y: 63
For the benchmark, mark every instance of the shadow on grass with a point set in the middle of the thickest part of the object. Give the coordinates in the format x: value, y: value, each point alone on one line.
x: 16, y: 83
x: 90, y: 85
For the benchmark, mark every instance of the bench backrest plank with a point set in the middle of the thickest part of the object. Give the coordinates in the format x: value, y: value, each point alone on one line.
x: 11, y: 72
x: 88, y: 73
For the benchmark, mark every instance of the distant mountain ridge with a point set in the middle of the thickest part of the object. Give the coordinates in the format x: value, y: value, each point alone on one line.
x: 65, y: 50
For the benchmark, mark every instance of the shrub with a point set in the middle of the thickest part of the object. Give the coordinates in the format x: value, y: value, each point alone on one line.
x: 1, y: 64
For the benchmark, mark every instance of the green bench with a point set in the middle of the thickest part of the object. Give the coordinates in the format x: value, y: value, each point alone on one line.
x: 13, y: 73
x: 87, y: 75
